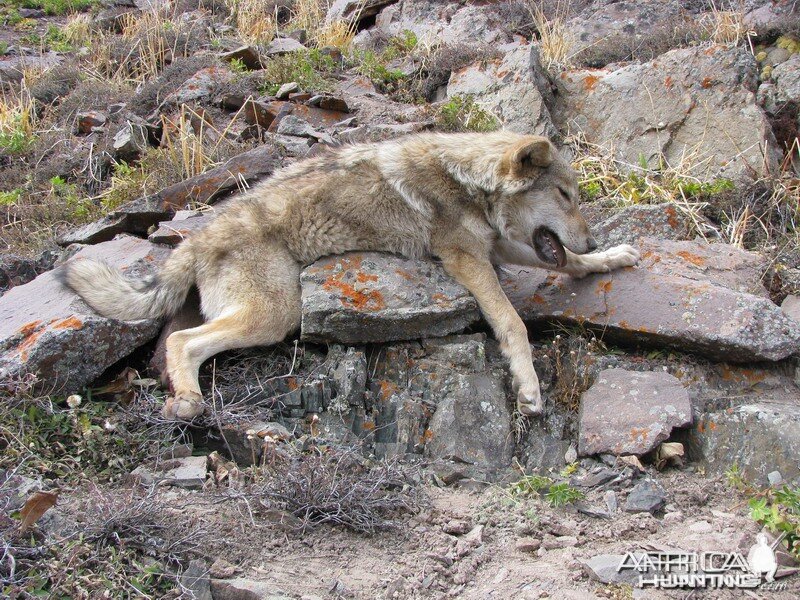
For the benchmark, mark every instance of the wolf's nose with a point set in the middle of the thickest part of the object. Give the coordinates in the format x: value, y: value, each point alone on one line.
x: 591, y: 244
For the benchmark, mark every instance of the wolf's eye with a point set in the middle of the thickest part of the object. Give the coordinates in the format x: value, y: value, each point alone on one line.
x: 564, y: 194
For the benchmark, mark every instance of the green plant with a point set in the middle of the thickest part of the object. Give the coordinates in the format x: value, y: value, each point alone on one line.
x: 238, y: 66
x: 310, y: 69
x: 561, y: 494
x: 80, y: 207
x: 569, y: 469
x: 530, y: 484
x: 373, y: 66
x: 462, y: 113
x: 58, y: 7
x: 779, y: 511
x: 10, y: 197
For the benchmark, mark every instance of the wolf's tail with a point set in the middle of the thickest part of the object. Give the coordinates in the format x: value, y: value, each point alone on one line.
x: 113, y: 295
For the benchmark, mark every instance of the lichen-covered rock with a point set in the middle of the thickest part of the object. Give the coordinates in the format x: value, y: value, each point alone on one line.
x: 663, y: 221
x: 692, y: 102
x: 758, y: 438
x: 353, y: 11
x: 697, y: 297
x: 46, y: 330
x: 367, y: 297
x: 630, y: 412
x: 511, y: 88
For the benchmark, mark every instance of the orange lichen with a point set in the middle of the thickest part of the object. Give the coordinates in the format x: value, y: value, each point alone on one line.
x: 604, y: 287
x: 590, y: 82
x: 538, y: 299
x: 672, y: 217
x: 404, y: 274
x: 696, y: 260
x: 28, y: 329
x: 426, y: 437
x: 68, y: 323
x: 668, y: 82
x: 364, y: 277
x: 706, y: 83
x: 388, y: 389
x: 639, y: 434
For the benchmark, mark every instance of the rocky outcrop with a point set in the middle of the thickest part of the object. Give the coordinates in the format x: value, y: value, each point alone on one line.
x: 510, y: 88
x: 697, y: 102
x: 629, y: 412
x: 46, y: 330
x: 697, y: 297
x: 365, y: 297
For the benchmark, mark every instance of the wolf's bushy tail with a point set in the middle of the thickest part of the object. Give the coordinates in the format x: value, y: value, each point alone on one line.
x: 113, y: 295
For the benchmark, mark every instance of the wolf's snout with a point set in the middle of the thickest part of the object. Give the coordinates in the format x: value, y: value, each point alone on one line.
x: 591, y: 244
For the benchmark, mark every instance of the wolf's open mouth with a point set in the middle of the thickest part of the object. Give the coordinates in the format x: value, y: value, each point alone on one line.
x: 548, y: 247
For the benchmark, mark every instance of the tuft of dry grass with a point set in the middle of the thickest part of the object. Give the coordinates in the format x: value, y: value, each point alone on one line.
x: 726, y: 27
x: 555, y: 39
x: 256, y: 20
x: 17, y: 119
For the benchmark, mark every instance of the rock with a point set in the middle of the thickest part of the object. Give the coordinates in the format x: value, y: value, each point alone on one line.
x: 262, y: 114
x: 349, y: 375
x: 47, y: 330
x: 222, y: 569
x: 598, y: 477
x: 646, y: 496
x: 775, y: 478
x: 469, y: 542
x: 700, y: 527
x: 367, y: 297
x: 611, y: 501
x: 87, y: 121
x: 528, y: 544
x: 195, y: 579
x: 286, y: 89
x: 12, y: 68
x: 188, y: 472
x: 660, y: 221
x: 174, y: 232
x: 291, y: 145
x: 787, y: 79
x: 571, y: 455
x: 16, y: 270
x: 130, y: 141
x: 628, y: 412
x: 246, y: 589
x: 30, y: 13
x: 247, y: 55
x: 692, y: 101
x: 759, y: 438
x: 354, y: 11
x: 280, y: 46
x: 605, y: 569
x: 697, y: 297
x: 317, y: 117
x: 200, y: 86
x: 329, y: 103
x: 291, y: 125
x: 551, y: 542
x: 791, y: 307
x: 455, y: 527
x: 472, y: 424
x: 510, y: 88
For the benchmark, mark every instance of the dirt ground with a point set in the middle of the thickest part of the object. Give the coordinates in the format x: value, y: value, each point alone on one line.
x: 420, y: 559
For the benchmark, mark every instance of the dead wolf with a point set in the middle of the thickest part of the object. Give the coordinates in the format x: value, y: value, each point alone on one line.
x: 471, y: 200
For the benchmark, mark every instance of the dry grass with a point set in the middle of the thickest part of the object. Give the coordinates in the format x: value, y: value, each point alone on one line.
x: 256, y: 20
x: 726, y: 27
x: 17, y: 119
x: 555, y: 39
x: 337, y: 34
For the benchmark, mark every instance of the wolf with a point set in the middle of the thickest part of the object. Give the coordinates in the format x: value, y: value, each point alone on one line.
x: 471, y: 200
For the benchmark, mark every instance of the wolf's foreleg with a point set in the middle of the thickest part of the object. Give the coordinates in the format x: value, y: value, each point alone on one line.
x: 577, y: 265
x: 478, y: 276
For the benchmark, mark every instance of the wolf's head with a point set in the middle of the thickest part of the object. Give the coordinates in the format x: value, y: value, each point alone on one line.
x: 539, y: 202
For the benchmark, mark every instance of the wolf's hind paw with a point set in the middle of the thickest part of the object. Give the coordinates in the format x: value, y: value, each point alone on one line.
x: 184, y: 407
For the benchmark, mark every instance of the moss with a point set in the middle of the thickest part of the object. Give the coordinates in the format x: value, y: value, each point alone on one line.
x: 462, y: 113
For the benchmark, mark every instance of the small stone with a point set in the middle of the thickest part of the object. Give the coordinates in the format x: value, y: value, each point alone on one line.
x: 248, y: 55
x: 701, y: 527
x: 286, y: 89
x: 280, y: 46
x: 673, y: 517
x: 563, y: 541
x: 456, y: 527
x: 131, y: 140
x: 195, y: 579
x: 88, y: 120
x: 571, y: 455
x: 189, y: 472
x: 222, y: 569
x: 611, y: 501
x: 646, y: 496
x: 605, y: 569
x: 791, y: 306
x: 774, y: 478
x: 528, y: 544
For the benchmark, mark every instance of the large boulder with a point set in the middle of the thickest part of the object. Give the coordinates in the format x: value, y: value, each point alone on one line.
x: 366, y: 297
x: 630, y: 412
x: 692, y: 107
x: 758, y: 438
x: 511, y: 88
x: 46, y: 330
x: 693, y: 296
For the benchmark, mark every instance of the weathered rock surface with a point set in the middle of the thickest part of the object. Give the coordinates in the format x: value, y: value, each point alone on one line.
x: 697, y: 297
x: 366, y: 297
x: 604, y: 568
x: 511, y: 88
x: 188, y: 472
x: 47, y: 330
x: 695, y: 101
x: 240, y: 588
x: 174, y: 232
x: 662, y: 221
x: 628, y: 412
x: 16, y: 270
x: 646, y: 496
x: 759, y: 438
x: 353, y: 11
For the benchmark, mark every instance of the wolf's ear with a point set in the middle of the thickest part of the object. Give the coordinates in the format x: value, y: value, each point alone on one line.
x: 527, y: 156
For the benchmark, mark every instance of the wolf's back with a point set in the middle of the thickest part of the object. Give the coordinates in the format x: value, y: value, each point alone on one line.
x: 113, y: 295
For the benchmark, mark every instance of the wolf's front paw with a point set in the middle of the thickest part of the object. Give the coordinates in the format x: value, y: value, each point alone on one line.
x: 620, y: 256
x: 530, y: 403
x: 184, y: 406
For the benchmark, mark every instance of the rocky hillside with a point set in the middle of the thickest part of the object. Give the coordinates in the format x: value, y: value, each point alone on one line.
x: 376, y: 454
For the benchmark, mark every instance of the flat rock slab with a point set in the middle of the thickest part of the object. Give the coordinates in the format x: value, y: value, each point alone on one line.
x: 631, y: 412
x: 174, y: 232
x: 240, y: 588
x: 45, y: 329
x: 358, y: 298
x: 693, y: 296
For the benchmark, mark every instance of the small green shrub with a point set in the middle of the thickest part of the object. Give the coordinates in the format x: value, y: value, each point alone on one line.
x: 81, y: 208
x: 58, y: 7
x: 779, y: 511
x: 462, y: 113
x: 10, y: 197
x: 309, y: 68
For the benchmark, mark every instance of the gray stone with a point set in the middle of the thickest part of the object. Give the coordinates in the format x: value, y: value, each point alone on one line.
x: 349, y: 375
x: 293, y: 146
x: 240, y: 588
x: 775, y: 478
x: 189, y: 472
x: 646, y: 496
x: 528, y: 544
x: 629, y: 412
x: 195, y: 579
x: 611, y: 501
x: 131, y: 140
x: 758, y: 438
x: 248, y: 55
x: 692, y: 101
x: 366, y: 297
x: 46, y: 330
x: 693, y: 296
x: 660, y: 221
x: 510, y: 89
x: 87, y: 121
x: 291, y: 125
x: 551, y: 542
x: 604, y: 568
x: 786, y: 77
x: 353, y: 11
x: 791, y: 306
x: 16, y: 270
x: 286, y: 89
x: 200, y: 86
x: 280, y: 46
x: 174, y: 232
